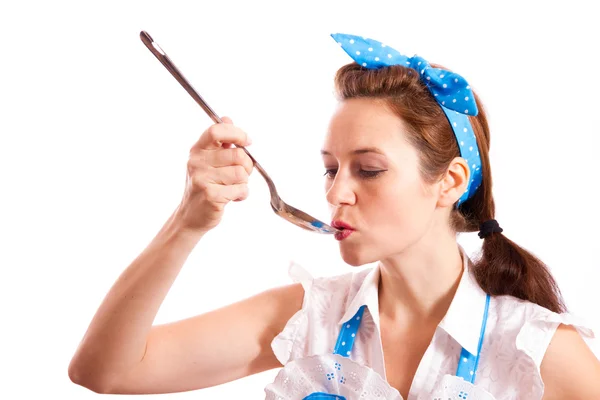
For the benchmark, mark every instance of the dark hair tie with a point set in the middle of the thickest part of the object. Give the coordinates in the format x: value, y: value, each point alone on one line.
x: 488, y: 227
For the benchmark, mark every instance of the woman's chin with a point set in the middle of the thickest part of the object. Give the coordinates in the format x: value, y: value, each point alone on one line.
x: 355, y: 257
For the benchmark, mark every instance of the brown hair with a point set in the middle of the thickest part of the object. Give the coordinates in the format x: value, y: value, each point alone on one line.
x: 503, y: 267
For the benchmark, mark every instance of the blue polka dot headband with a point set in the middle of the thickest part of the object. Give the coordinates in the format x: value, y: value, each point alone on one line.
x: 450, y: 90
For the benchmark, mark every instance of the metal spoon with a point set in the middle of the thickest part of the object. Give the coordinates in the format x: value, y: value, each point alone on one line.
x: 282, y: 209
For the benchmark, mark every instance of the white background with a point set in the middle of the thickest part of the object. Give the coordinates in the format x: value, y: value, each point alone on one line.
x: 95, y: 135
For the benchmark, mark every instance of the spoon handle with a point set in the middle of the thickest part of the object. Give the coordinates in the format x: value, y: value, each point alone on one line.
x: 160, y: 54
x: 166, y: 61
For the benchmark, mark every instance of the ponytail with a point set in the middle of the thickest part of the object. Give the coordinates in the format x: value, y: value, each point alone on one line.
x: 505, y: 268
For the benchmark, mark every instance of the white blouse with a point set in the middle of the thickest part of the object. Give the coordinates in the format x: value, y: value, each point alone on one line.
x: 516, y: 337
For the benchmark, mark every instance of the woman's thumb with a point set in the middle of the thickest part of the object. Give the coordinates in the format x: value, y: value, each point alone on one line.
x: 226, y: 120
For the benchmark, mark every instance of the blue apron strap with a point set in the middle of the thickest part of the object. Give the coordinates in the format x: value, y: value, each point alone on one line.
x: 343, y: 347
x: 468, y: 363
x: 347, y: 334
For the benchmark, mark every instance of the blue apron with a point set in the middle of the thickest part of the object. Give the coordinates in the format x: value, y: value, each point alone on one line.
x: 467, y: 364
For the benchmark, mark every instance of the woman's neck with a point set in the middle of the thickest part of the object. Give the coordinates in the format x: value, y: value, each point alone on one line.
x: 417, y: 286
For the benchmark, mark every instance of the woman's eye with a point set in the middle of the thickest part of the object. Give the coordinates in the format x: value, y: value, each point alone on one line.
x: 330, y: 173
x: 370, y: 174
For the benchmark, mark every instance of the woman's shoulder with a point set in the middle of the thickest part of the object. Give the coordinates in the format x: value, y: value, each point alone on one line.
x: 519, y: 336
x: 512, y: 313
x: 532, y: 325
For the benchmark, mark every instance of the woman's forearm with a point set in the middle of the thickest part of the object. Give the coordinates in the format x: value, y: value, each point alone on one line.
x: 116, y: 338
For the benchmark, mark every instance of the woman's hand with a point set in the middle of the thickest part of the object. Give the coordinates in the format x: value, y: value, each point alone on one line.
x: 217, y: 173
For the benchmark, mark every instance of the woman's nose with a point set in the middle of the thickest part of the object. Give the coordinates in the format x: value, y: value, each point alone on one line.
x: 340, y: 192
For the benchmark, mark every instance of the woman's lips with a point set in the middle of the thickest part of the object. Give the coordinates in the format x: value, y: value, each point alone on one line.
x: 343, y: 234
x: 345, y: 229
x: 338, y: 224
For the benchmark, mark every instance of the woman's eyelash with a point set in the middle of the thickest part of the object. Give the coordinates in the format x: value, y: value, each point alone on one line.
x: 330, y: 173
x: 369, y: 174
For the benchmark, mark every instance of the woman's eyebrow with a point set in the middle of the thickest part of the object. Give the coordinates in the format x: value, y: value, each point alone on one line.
x: 358, y: 151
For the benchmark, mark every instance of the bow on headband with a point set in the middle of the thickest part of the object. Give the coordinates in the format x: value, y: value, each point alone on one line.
x: 450, y: 90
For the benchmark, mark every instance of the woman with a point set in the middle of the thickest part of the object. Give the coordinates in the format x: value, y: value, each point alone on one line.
x: 407, y: 168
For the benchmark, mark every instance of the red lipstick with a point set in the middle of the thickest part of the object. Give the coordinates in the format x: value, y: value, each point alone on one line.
x: 345, y: 229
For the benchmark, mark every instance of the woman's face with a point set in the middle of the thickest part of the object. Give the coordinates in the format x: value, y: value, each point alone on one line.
x: 373, y: 183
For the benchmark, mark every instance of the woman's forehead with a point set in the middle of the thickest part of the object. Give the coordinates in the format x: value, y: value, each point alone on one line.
x: 363, y: 123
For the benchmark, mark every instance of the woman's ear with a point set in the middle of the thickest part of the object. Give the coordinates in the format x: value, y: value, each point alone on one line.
x: 454, y: 182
